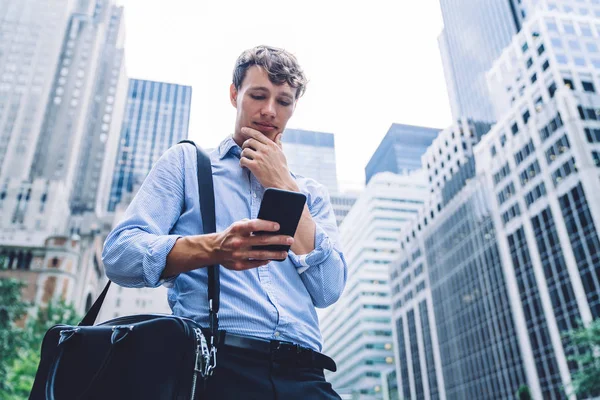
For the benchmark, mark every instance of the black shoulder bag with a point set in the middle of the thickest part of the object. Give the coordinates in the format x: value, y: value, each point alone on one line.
x: 137, y: 356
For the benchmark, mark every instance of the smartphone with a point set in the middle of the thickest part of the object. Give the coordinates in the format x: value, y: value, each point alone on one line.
x: 283, y: 207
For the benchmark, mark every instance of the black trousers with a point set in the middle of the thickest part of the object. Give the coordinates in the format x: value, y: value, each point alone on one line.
x: 248, y: 375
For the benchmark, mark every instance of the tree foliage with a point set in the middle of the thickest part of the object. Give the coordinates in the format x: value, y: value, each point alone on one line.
x: 20, y: 347
x: 586, y: 381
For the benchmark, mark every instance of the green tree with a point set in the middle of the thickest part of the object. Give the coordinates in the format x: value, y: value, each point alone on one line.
x: 524, y: 393
x: 22, y: 372
x: 586, y: 381
x: 12, y: 309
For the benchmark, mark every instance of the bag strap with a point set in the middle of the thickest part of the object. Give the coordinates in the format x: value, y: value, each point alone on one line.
x: 207, y: 208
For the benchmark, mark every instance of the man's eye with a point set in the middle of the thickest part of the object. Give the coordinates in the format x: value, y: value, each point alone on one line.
x: 257, y: 97
x: 284, y: 103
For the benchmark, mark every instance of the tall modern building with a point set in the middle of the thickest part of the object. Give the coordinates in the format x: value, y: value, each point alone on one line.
x: 61, y: 96
x: 400, y: 150
x: 503, y: 259
x: 357, y: 329
x: 156, y: 118
x: 474, y: 35
x: 312, y: 154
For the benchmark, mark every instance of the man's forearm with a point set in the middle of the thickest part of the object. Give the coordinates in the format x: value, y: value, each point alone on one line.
x: 189, y: 253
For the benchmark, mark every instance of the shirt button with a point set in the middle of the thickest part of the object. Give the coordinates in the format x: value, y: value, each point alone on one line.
x: 254, y: 194
x: 276, y: 334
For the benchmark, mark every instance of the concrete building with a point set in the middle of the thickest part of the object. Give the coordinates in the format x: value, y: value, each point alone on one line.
x: 357, y: 329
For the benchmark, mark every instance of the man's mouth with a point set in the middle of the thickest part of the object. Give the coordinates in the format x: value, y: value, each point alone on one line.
x: 265, y: 126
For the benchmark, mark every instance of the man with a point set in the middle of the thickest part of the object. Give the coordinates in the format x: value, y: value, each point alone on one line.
x: 261, y: 300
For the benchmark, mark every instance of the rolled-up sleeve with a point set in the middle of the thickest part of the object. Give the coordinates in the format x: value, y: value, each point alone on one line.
x: 135, y: 252
x: 323, y: 271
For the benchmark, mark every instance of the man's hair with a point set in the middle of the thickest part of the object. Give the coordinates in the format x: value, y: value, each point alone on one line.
x: 281, y: 66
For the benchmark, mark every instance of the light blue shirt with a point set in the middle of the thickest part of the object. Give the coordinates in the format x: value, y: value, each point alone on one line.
x: 276, y: 301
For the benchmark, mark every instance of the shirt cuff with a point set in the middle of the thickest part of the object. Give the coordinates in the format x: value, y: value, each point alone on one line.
x: 155, y: 260
x: 317, y: 256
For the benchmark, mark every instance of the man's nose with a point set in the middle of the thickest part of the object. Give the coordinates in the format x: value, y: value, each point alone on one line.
x: 268, y: 109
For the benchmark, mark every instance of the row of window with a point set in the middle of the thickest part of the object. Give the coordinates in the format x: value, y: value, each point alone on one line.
x: 502, y: 173
x: 536, y: 193
x: 592, y: 135
x: 506, y: 193
x: 552, y: 127
x: 563, y: 171
x: 530, y: 172
x: 561, y: 146
x: 528, y: 149
x: 588, y: 113
x: 512, y: 212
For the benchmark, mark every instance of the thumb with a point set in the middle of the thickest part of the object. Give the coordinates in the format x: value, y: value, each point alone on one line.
x: 278, y: 140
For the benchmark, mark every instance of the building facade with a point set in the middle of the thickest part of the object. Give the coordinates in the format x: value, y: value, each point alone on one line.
x: 357, y: 329
x: 474, y: 35
x: 400, y: 150
x: 156, y: 118
x: 312, y: 154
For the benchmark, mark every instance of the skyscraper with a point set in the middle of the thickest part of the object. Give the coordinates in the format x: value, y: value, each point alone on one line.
x: 312, y: 154
x: 357, y: 329
x: 503, y: 259
x: 474, y: 35
x: 400, y: 150
x: 156, y: 118
x: 63, y: 91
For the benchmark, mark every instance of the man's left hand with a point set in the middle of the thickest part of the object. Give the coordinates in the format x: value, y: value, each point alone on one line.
x: 265, y: 159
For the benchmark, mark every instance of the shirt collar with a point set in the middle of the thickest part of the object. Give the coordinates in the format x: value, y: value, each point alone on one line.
x: 229, y: 146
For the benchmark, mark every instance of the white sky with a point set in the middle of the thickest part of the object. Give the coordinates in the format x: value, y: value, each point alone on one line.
x: 368, y: 65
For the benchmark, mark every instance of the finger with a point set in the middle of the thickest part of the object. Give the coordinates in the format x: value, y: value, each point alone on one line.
x: 261, y: 225
x: 252, y: 144
x: 265, y: 255
x: 269, y: 239
x: 278, y: 140
x: 249, y: 153
x: 254, y: 134
x: 246, y: 162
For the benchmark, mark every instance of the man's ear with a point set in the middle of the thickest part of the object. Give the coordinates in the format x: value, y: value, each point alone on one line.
x: 233, y: 94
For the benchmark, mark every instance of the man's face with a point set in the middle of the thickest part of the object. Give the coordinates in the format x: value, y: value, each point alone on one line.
x: 261, y: 104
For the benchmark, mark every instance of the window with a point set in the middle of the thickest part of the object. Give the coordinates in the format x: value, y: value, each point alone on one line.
x: 588, y: 86
x: 506, y: 193
x: 569, y: 83
x: 596, y: 158
x: 562, y: 59
x: 529, y: 62
x: 514, y: 128
x: 545, y: 65
x: 588, y: 114
x: 526, y: 116
x: 592, y: 135
x: 552, y: 89
x: 574, y: 45
x: 525, y: 47
x: 541, y: 49
x: 556, y: 43
x: 592, y: 47
x: 512, y: 212
x: 493, y: 150
x: 579, y: 61
x: 521, y: 155
x: 533, y: 78
x: 569, y: 28
x: 501, y: 174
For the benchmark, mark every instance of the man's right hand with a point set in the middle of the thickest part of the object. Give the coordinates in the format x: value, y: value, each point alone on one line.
x: 231, y: 248
x: 234, y: 245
